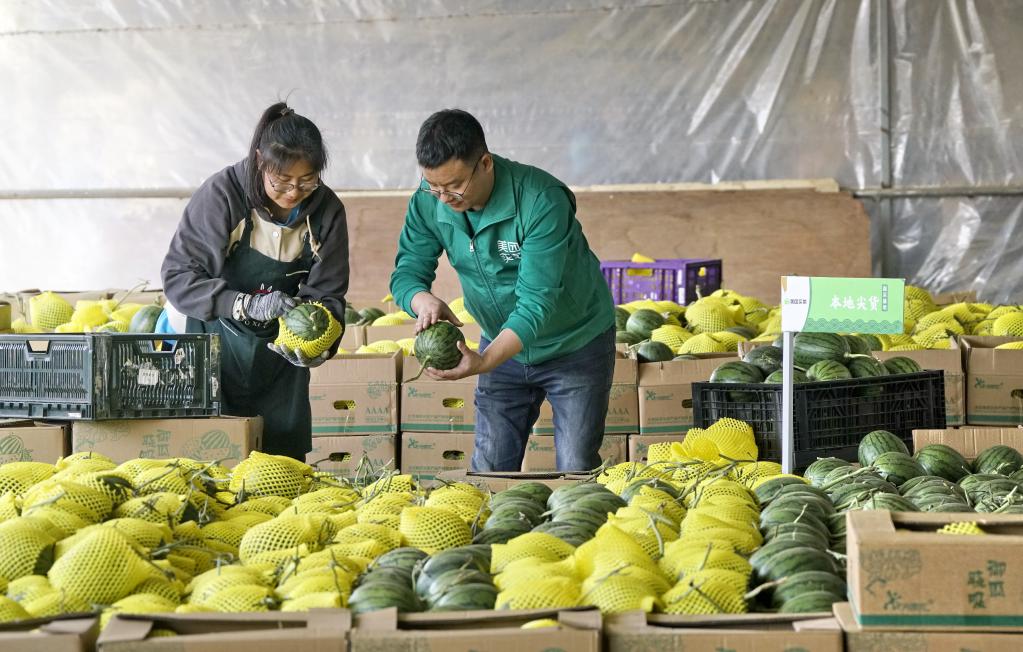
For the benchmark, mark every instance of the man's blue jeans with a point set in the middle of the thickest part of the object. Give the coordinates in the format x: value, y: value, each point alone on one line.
x: 508, y: 403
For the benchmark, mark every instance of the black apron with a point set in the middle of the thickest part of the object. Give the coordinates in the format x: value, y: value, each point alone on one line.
x: 255, y: 381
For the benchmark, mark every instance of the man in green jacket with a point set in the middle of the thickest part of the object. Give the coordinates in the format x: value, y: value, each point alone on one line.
x: 530, y: 281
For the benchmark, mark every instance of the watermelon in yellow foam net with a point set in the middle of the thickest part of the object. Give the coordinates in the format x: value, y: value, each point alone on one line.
x: 309, y: 328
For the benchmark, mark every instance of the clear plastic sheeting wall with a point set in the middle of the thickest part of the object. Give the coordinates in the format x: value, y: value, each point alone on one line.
x: 132, y: 97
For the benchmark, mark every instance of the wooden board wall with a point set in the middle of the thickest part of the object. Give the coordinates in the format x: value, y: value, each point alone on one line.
x: 760, y: 235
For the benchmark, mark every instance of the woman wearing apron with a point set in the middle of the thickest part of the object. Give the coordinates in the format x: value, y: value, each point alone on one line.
x: 256, y: 239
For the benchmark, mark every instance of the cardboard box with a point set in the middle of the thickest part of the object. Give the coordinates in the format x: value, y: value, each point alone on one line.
x: 622, y: 406
x: 970, y: 441
x: 903, y: 574
x: 145, y: 296
x: 858, y: 640
x: 960, y: 296
x: 61, y: 634
x: 352, y: 338
x: 541, y: 457
x: 636, y: 631
x: 951, y: 362
x: 319, y: 630
x: 994, y: 381
x: 639, y: 444
x: 355, y: 395
x: 425, y: 454
x: 227, y: 439
x: 408, y: 330
x: 473, y: 631
x: 666, y: 392
x: 343, y: 456
x: 436, y: 405
x: 33, y: 441
x: 499, y: 481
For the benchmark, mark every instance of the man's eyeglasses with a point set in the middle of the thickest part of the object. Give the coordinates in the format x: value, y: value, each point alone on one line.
x: 454, y: 196
x: 285, y: 188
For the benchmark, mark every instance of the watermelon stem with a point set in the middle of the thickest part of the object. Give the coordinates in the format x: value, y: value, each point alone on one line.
x: 763, y: 587
x: 422, y: 368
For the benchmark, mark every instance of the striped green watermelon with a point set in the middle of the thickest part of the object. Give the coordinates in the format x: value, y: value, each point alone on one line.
x: 827, y: 370
x: 628, y: 337
x: 878, y: 442
x: 866, y: 367
x: 872, y: 341
x: 144, y: 320
x: 437, y: 346
x: 902, y: 365
x: 767, y: 358
x: 776, y: 377
x: 943, y: 461
x: 810, y: 348
x: 643, y: 322
x: 737, y: 371
x: 998, y: 459
x: 857, y: 344
x: 897, y: 467
x: 651, y: 351
x: 819, y: 469
x: 621, y: 318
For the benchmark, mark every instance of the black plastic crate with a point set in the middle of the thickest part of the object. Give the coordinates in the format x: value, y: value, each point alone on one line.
x: 828, y: 418
x: 108, y: 376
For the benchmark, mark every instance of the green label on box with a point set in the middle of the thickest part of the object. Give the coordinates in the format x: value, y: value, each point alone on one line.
x: 842, y: 305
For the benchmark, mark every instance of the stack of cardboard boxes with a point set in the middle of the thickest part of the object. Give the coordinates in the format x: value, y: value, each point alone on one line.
x: 912, y: 588
x: 621, y: 425
x: 354, y: 403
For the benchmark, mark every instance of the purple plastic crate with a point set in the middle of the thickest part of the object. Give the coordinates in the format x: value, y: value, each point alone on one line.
x: 670, y: 279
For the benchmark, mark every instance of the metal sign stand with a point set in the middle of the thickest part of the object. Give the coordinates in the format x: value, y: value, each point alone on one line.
x: 787, y: 439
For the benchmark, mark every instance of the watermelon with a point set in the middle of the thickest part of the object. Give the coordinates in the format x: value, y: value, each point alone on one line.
x: 795, y: 560
x: 810, y: 348
x: 352, y: 316
x: 943, y: 461
x: 805, y: 582
x: 866, y: 367
x: 857, y: 345
x: 877, y: 442
x: 810, y: 602
x: 621, y: 318
x: 144, y: 320
x: 767, y: 358
x: 651, y: 351
x: 309, y: 328
x: 741, y: 331
x: 816, y: 472
x: 777, y: 377
x: 643, y: 322
x: 827, y: 370
x: 369, y: 315
x: 873, y: 342
x: 737, y: 372
x: 890, y: 502
x: 437, y: 346
x: 897, y: 467
x: 628, y: 337
x: 998, y: 459
x: 902, y: 365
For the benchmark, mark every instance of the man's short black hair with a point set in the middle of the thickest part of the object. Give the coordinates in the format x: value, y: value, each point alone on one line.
x: 448, y: 134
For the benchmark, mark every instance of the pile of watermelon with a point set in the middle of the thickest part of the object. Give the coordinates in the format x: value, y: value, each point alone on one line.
x: 817, y: 357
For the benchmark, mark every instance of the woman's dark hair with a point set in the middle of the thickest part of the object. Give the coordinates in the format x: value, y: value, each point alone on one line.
x: 447, y: 134
x: 282, y: 137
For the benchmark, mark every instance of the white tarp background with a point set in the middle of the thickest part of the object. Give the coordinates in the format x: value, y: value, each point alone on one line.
x: 150, y: 97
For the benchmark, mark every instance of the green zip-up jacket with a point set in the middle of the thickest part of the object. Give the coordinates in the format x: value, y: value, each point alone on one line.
x: 528, y: 267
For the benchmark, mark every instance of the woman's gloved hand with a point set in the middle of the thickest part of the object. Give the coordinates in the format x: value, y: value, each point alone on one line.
x: 265, y: 307
x: 296, y: 357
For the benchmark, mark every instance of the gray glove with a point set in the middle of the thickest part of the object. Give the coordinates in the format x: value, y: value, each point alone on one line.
x: 264, y: 307
x: 298, y: 358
